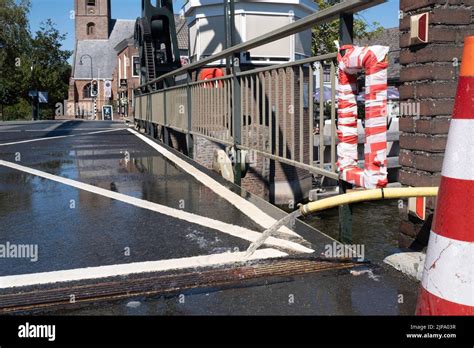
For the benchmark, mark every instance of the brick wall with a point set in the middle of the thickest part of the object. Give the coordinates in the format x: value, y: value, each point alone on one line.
x: 428, y: 77
x: 124, y: 62
x: 98, y: 14
x: 82, y: 107
x: 256, y: 181
x: 101, y: 28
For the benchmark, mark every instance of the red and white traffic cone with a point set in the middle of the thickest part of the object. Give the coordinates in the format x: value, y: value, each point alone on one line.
x: 447, y: 285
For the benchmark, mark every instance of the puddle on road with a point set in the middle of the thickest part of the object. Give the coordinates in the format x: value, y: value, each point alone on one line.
x: 132, y: 169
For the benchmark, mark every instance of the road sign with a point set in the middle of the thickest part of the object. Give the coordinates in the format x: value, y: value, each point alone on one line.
x: 43, y: 97
x: 107, y: 112
x: 108, y: 89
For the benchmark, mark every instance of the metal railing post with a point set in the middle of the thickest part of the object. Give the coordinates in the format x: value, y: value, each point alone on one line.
x: 345, y: 216
x: 236, y: 89
x: 346, y: 36
x: 151, y: 128
x: 189, y: 139
x: 236, y: 122
x: 166, y: 136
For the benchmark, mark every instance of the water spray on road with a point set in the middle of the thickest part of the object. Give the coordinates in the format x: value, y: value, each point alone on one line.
x: 288, y: 221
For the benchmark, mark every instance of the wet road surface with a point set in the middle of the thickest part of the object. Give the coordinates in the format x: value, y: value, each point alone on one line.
x: 75, y: 227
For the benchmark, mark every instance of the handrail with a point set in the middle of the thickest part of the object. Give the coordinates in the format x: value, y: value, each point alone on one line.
x: 289, y: 65
x: 256, y: 71
x: 348, y: 6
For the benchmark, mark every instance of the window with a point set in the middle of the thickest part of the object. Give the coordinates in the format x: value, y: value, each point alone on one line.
x: 126, y: 63
x: 136, y: 66
x: 90, y: 28
x: 120, y: 69
x: 90, y: 2
x: 86, y: 91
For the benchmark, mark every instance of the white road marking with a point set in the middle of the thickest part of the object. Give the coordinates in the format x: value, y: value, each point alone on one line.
x: 60, y: 137
x: 233, y: 230
x: 132, y: 268
x: 71, y: 129
x: 249, y: 209
x: 54, y: 129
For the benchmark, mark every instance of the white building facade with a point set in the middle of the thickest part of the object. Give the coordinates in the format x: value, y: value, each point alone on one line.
x: 253, y: 18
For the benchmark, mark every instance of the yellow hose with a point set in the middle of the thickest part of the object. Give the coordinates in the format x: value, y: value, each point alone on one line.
x: 368, y: 195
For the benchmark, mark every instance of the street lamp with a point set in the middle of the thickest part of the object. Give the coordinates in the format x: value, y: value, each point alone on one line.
x: 34, y: 94
x: 92, y: 78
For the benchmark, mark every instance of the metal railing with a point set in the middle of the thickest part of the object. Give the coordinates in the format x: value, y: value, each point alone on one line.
x: 268, y: 110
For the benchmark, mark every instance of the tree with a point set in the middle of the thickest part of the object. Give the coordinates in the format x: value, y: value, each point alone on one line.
x: 15, y: 47
x: 28, y: 62
x: 49, y: 61
x: 325, y: 34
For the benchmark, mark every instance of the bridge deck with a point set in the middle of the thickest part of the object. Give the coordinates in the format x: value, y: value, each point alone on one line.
x: 101, y: 201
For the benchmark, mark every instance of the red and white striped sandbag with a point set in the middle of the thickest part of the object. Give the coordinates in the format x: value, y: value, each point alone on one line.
x: 372, y: 60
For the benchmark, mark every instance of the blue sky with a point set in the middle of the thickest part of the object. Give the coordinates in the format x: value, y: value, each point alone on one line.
x: 59, y: 11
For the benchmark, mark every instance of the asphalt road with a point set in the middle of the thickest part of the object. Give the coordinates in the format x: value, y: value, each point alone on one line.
x: 93, y: 194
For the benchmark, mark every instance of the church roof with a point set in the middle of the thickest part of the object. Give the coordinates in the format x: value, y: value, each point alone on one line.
x: 104, y: 54
x: 181, y: 32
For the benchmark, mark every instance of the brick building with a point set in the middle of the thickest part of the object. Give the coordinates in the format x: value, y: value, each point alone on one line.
x: 429, y: 75
x: 105, y: 51
x: 126, y: 76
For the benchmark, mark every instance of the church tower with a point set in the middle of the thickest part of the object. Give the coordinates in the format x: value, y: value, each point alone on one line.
x: 92, y: 19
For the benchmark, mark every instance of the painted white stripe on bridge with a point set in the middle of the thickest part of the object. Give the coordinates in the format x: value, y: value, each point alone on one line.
x: 71, y: 129
x: 55, y: 130
x: 249, y: 209
x: 133, y: 268
x: 458, y: 162
x: 60, y: 137
x: 233, y: 230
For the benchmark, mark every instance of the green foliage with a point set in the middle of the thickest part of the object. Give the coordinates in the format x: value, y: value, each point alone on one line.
x: 15, y: 41
x: 51, y: 69
x: 19, y: 111
x: 325, y: 34
x: 30, y: 61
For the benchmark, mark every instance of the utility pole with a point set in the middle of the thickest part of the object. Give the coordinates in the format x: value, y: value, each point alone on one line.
x: 92, y: 82
x: 346, y: 36
x: 234, y: 62
x: 34, y: 94
x: 1, y: 104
